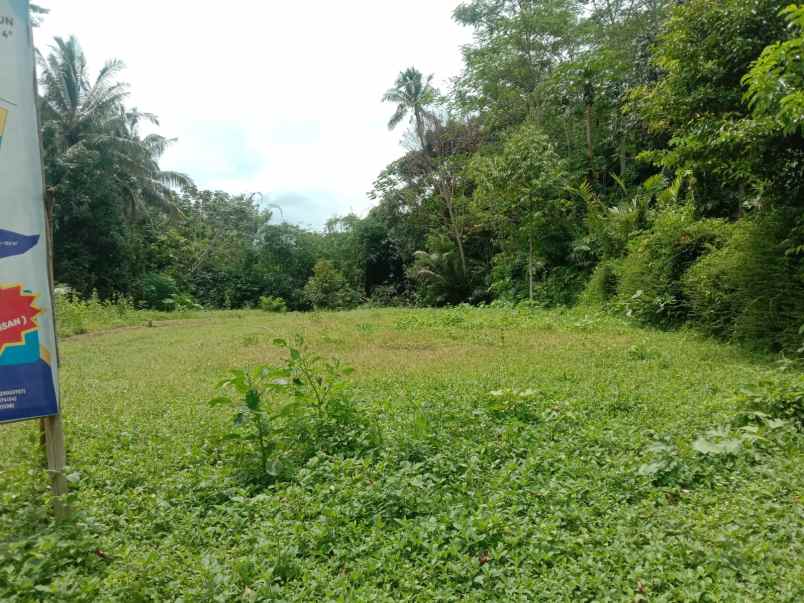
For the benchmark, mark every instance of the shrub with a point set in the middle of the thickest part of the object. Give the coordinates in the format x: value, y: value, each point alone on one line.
x: 75, y: 316
x: 285, y: 415
x: 254, y: 416
x: 560, y: 287
x: 181, y: 302
x: 269, y: 303
x: 777, y: 398
x: 440, y: 278
x: 650, y: 287
x: 328, y: 289
x: 601, y: 287
x: 386, y: 296
x: 156, y: 289
x: 709, y: 286
x: 753, y: 288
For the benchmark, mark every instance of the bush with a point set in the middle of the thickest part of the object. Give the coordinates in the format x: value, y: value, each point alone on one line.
x: 778, y: 399
x: 181, y: 302
x: 753, y: 288
x: 388, y: 296
x: 560, y: 287
x: 156, y: 289
x: 440, y: 279
x: 602, y: 285
x: 269, y: 303
x: 328, y: 289
x: 75, y: 316
x: 284, y: 415
x: 552, y: 285
x: 650, y: 287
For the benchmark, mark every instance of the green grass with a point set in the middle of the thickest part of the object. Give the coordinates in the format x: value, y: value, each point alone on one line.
x: 470, y: 496
x: 77, y: 317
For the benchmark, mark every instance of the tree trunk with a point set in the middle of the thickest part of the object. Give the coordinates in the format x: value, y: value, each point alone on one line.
x: 457, y: 233
x: 461, y: 254
x: 623, y: 142
x: 530, y: 265
x: 622, y: 157
x: 590, y: 150
x: 420, y: 128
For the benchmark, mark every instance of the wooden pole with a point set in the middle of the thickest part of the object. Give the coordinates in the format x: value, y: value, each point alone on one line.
x: 51, y: 428
x: 56, y: 461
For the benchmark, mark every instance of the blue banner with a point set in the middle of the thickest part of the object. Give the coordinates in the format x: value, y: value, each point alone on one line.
x: 28, y: 362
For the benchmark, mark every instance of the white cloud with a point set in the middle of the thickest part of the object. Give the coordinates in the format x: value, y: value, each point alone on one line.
x: 270, y: 95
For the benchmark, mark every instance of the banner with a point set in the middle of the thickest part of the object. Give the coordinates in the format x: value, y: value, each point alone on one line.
x: 28, y: 370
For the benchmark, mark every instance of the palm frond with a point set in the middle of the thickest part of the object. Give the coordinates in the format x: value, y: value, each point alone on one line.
x: 397, y: 117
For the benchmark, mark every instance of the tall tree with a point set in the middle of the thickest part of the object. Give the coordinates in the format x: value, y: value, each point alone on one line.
x: 80, y: 114
x: 697, y: 106
x: 414, y: 95
x: 101, y: 175
x: 519, y: 191
x: 517, y: 43
x: 145, y: 183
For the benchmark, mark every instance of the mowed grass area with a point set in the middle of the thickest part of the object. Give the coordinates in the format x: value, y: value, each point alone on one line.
x: 471, y: 495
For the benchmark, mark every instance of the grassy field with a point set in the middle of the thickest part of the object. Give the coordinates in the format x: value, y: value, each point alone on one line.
x: 555, y: 456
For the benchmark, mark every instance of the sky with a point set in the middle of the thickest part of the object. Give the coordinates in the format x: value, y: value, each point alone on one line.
x: 270, y: 96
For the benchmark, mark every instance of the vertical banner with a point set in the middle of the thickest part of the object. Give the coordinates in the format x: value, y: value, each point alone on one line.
x: 28, y: 370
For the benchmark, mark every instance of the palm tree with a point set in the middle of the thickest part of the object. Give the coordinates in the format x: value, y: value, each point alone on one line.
x: 444, y: 279
x: 147, y: 185
x: 75, y: 110
x: 79, y: 114
x: 412, y: 94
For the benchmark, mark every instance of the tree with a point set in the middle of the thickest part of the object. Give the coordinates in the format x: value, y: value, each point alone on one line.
x: 697, y: 113
x: 517, y: 44
x: 101, y: 176
x: 146, y: 184
x: 328, y: 289
x: 776, y: 79
x: 519, y: 192
x: 413, y: 95
x: 80, y: 114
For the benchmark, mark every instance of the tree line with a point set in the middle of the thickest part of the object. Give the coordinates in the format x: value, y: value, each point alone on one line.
x: 642, y: 155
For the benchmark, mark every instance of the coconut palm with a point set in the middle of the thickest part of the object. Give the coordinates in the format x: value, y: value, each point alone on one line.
x: 74, y: 109
x: 413, y: 95
x: 84, y: 119
x: 150, y: 186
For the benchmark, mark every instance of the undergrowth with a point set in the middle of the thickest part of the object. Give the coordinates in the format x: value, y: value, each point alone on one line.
x: 520, y: 455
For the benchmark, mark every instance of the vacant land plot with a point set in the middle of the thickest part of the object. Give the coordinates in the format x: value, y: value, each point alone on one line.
x: 521, y: 456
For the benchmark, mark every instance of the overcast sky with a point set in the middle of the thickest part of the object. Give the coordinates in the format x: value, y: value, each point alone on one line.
x: 280, y: 97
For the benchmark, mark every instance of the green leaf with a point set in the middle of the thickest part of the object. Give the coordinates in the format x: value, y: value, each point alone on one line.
x: 220, y: 401
x: 704, y: 446
x: 725, y: 446
x: 651, y: 469
x: 290, y: 409
x: 253, y: 400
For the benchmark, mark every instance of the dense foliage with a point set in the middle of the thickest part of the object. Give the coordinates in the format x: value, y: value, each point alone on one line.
x: 646, y: 155
x: 642, y: 157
